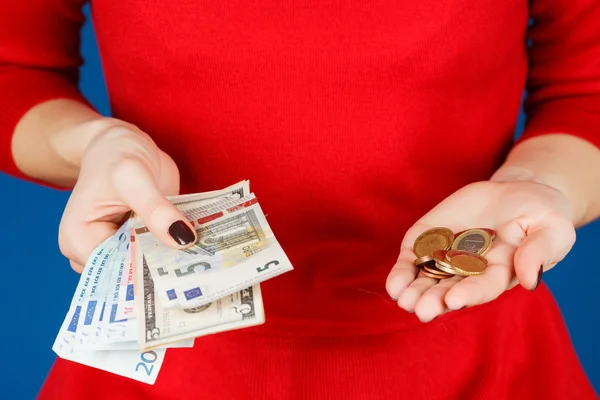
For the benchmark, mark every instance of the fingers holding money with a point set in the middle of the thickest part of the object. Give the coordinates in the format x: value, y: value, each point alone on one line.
x: 122, y: 170
x: 138, y: 189
x: 443, y: 259
x: 456, y: 270
x: 97, y: 207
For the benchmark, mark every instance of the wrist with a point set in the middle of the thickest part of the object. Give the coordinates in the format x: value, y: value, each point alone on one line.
x: 50, y: 139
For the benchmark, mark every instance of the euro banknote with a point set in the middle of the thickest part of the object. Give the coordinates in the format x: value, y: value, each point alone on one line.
x: 235, y: 249
x: 71, y: 345
x: 122, y: 320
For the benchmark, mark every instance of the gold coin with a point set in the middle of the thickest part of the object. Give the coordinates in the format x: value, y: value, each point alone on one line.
x: 476, y: 241
x: 447, y: 268
x: 434, y: 276
x: 433, y: 239
x: 439, y: 255
x: 440, y: 262
x: 452, y: 253
x: 423, y: 260
x: 491, y: 232
x: 469, y: 264
x: 434, y: 270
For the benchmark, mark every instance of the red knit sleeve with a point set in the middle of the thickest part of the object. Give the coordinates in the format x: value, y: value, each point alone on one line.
x: 564, y: 74
x: 39, y: 61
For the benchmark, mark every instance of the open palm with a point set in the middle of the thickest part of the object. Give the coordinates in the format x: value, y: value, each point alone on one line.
x: 534, y: 228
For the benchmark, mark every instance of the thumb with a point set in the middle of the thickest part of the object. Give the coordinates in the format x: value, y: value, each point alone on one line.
x: 541, y: 250
x: 139, y: 190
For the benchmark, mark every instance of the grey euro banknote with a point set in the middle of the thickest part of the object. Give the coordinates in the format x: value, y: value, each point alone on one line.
x: 236, y: 248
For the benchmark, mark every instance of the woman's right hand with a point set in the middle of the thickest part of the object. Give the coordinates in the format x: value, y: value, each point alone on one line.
x: 121, y: 170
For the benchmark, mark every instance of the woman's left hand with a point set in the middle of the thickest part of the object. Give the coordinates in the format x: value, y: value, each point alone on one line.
x: 534, y: 228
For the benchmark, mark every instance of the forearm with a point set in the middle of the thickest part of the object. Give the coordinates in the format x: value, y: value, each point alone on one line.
x: 565, y: 162
x: 50, y: 139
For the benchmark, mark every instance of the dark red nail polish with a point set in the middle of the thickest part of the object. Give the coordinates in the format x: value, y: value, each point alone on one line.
x: 181, y: 233
x: 539, y: 278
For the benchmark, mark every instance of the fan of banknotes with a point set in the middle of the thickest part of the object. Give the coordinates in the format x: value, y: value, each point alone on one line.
x: 138, y: 297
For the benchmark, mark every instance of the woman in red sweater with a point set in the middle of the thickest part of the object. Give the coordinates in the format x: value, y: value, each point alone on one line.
x: 360, y: 125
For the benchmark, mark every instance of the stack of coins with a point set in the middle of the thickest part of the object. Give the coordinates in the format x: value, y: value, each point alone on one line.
x: 443, y: 254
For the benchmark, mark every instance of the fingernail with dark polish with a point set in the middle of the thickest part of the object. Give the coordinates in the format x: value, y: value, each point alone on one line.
x: 394, y: 298
x: 539, y: 278
x: 181, y: 233
x: 463, y: 307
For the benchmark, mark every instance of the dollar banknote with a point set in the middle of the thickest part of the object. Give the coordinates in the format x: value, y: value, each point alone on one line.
x: 158, y: 326
x: 118, y: 320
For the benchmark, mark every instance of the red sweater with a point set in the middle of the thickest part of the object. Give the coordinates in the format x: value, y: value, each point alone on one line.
x: 351, y: 120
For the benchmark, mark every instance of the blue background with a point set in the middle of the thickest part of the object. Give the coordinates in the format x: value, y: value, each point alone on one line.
x: 37, y: 283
